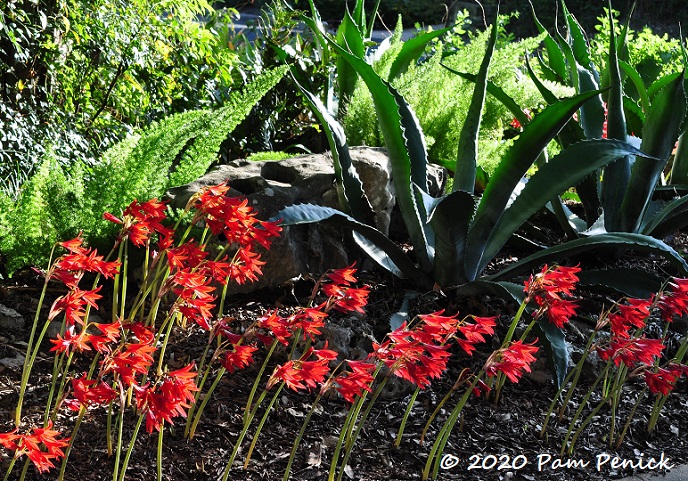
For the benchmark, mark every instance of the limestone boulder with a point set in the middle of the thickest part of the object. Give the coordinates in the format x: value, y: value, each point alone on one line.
x: 309, y: 179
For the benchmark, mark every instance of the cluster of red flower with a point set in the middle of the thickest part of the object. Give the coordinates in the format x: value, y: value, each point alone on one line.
x: 341, y: 296
x: 420, y: 354
x: 547, y: 288
x: 30, y: 444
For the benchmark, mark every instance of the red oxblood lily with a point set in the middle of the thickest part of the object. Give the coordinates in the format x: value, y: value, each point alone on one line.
x: 674, y: 302
x: 436, y: 327
x: 515, y: 124
x: 222, y: 328
x: 145, y: 334
x: 511, y: 360
x: 141, y: 220
x: 309, y: 320
x: 346, y: 299
x: 637, y: 350
x: 546, y: 289
x: 233, y: 218
x: 187, y: 256
x: 218, y: 270
x: 73, y: 304
x: 86, y: 259
x: 280, y: 327
x: 195, y: 301
x: 247, y: 266
x: 30, y: 444
x: 168, y: 400
x: 72, y: 342
x: 344, y: 276
x: 475, y: 333
x: 91, y: 391
x: 238, y: 356
x: 604, y: 124
x: 635, y: 313
x: 304, y: 374
x: 663, y: 380
x: 558, y: 279
x: 132, y: 360
x: 409, y: 357
x: 352, y: 384
x: 69, y: 268
x: 110, y: 334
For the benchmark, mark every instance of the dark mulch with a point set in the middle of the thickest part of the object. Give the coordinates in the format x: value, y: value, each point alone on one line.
x: 488, y: 433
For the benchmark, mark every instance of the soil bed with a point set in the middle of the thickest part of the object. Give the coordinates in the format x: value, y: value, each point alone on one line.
x: 488, y: 435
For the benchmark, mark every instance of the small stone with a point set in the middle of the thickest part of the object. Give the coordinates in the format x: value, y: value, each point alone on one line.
x: 13, y: 362
x: 10, y: 319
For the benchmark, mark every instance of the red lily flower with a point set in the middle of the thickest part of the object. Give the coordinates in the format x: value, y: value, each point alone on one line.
x: 30, y: 444
x: 663, y: 381
x: 132, y: 360
x: 187, y: 256
x: 110, y: 334
x: 72, y: 342
x: 280, y: 327
x: 409, y: 357
x: 302, y: 374
x: 511, y: 360
x: 168, y: 400
x: 238, y: 356
x: 674, y: 302
x: 344, y: 276
x: 141, y: 220
x: 309, y: 320
x: 635, y: 313
x: 352, y: 384
x: 632, y: 351
x: 91, y: 391
x: 547, y: 287
x: 73, y: 304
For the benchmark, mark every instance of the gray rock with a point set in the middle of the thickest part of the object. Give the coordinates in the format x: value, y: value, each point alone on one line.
x: 271, y: 185
x: 10, y: 319
x: 13, y: 362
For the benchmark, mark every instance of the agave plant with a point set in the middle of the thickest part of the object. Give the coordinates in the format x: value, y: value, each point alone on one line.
x: 620, y: 197
x: 455, y: 236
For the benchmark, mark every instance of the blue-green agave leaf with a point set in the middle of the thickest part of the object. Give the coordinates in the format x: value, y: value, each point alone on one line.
x: 660, y: 133
x: 349, y: 186
x: 617, y: 175
x: 449, y: 219
x: 467, y: 156
x: 630, y: 282
x: 556, y: 59
x: 560, y: 173
x: 638, y: 83
x: 671, y: 217
x: 513, y: 167
x: 496, y: 91
x: 350, y: 38
x: 554, y: 342
x: 374, y: 243
x: 613, y: 240
x: 405, y: 159
x: 679, y: 168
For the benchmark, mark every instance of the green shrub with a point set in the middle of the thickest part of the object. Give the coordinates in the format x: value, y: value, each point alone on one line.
x: 653, y: 56
x: 259, y: 156
x: 57, y: 202
x: 80, y: 75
